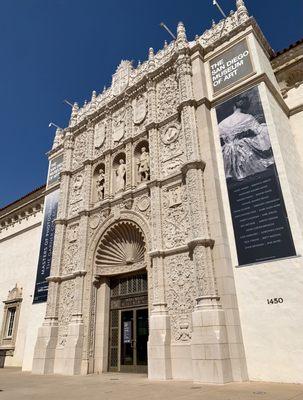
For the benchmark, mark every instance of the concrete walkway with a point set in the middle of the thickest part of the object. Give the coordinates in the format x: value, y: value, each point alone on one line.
x: 17, y: 385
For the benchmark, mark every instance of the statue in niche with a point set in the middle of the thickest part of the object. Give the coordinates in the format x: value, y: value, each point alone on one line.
x: 120, y: 176
x: 143, y: 165
x: 100, y: 183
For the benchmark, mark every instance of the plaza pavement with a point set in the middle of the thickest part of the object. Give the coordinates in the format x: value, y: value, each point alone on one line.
x: 17, y: 385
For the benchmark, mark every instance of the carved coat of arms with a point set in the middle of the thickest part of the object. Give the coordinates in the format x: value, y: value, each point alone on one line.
x: 121, y: 77
x: 119, y: 126
x: 100, y: 132
x: 140, y: 109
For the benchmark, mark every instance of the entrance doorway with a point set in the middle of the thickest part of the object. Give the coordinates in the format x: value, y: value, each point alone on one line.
x: 128, y: 334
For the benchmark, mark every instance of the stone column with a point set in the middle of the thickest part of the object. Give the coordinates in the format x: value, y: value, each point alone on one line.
x: 45, y: 348
x: 159, y: 357
x: 210, y: 354
x: 74, y: 347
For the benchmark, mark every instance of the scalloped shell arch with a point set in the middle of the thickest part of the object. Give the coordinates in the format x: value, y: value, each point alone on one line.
x: 121, y: 249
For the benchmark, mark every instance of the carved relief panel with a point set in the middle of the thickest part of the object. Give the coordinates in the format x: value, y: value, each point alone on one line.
x: 79, y: 153
x: 71, y: 250
x: 118, y: 127
x: 139, y: 106
x: 167, y: 97
x: 66, y: 303
x: 180, y: 295
x: 172, y: 151
x: 175, y: 216
x: 76, y: 194
x: 100, y: 138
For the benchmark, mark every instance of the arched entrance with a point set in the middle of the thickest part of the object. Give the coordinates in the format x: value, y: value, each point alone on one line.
x: 121, y: 324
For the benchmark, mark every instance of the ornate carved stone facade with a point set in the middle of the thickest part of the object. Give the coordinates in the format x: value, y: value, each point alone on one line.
x: 140, y: 193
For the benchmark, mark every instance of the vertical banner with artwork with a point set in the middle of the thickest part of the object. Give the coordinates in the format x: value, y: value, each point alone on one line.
x: 261, y: 227
x: 48, y: 231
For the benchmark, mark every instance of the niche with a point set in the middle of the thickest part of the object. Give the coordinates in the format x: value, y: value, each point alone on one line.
x: 119, y: 173
x: 142, y: 162
x: 99, y: 183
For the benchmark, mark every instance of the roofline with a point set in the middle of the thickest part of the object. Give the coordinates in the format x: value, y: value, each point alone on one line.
x: 291, y: 46
x: 40, y: 188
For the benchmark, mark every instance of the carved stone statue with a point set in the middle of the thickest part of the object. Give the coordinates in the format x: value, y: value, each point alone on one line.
x: 100, y: 183
x: 143, y: 165
x: 120, y: 176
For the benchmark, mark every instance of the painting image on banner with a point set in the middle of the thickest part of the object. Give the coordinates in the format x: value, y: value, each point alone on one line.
x: 46, y: 246
x: 259, y: 217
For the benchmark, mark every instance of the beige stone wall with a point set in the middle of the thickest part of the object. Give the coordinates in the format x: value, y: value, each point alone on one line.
x: 19, y: 250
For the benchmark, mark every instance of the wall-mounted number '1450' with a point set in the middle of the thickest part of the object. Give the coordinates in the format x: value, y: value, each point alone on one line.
x: 276, y: 300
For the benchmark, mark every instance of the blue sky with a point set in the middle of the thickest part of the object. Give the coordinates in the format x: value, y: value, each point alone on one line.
x: 57, y: 49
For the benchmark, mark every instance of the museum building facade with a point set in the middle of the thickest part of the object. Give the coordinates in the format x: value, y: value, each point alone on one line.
x: 172, y: 228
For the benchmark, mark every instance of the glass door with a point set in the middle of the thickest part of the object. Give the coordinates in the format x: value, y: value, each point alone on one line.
x: 133, y: 342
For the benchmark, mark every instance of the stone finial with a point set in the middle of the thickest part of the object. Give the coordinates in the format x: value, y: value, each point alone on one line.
x: 58, y: 137
x: 104, y: 89
x: 93, y: 101
x: 181, y: 33
x: 151, y: 59
x: 151, y: 54
x: 165, y: 44
x: 241, y: 11
x: 73, y: 118
x: 94, y: 95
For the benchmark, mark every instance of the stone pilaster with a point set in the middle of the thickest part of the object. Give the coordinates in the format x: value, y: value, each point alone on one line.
x: 75, y: 337
x: 45, y: 348
x: 159, y: 360
x: 210, y: 353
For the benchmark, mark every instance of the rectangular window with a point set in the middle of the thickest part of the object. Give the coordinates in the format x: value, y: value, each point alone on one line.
x: 10, y: 321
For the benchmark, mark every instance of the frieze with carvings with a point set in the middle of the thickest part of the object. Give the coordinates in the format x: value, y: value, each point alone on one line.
x: 79, y: 153
x: 66, y: 303
x: 172, y: 152
x: 181, y: 294
x: 175, y: 216
x: 76, y: 193
x: 167, y: 97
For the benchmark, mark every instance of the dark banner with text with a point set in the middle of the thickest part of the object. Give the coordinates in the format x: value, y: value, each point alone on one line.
x: 259, y: 217
x: 231, y: 66
x: 46, y: 246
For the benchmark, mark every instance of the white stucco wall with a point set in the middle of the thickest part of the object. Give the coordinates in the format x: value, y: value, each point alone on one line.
x: 272, y: 333
x: 19, y: 250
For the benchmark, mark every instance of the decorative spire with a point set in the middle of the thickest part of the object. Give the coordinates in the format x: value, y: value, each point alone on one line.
x: 151, y: 59
x: 181, y: 33
x: 241, y: 11
x: 181, y: 36
x: 73, y: 118
x: 58, y: 137
x: 151, y: 54
x: 92, y: 107
x: 104, y: 89
x: 165, y: 44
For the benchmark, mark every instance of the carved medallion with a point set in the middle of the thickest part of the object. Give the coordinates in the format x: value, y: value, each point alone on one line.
x: 121, y: 77
x: 140, y: 109
x: 170, y: 134
x: 144, y: 203
x: 100, y: 132
x: 94, y: 221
